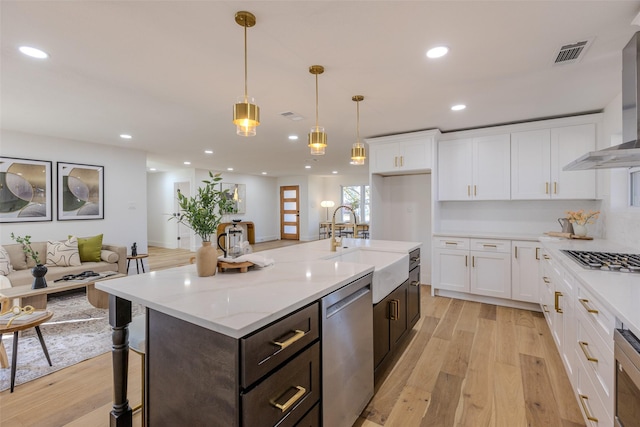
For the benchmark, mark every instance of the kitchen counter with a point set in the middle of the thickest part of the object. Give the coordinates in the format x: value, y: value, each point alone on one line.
x: 236, y: 304
x: 619, y: 292
x: 490, y: 235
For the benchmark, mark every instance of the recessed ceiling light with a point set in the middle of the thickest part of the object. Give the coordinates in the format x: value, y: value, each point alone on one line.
x: 334, y: 172
x: 152, y: 169
x: 308, y: 167
x: 125, y: 136
x: 187, y: 163
x: 229, y: 169
x: 293, y: 137
x: 33, y: 52
x: 437, y: 52
x: 264, y: 173
x: 208, y: 151
x: 458, y: 107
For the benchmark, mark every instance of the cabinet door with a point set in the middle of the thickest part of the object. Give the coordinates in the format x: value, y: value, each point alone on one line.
x: 451, y: 270
x: 398, y: 313
x: 413, y: 297
x: 455, y: 164
x: 525, y: 275
x: 491, y: 168
x: 383, y: 157
x: 567, y: 144
x: 491, y: 274
x: 530, y: 165
x: 381, y: 336
x: 415, y: 155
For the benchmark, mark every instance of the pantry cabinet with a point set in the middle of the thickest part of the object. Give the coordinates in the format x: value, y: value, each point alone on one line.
x: 400, y: 154
x: 474, y: 168
x: 537, y: 159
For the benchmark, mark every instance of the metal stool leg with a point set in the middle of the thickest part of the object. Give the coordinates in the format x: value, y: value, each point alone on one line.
x: 44, y: 346
x: 14, y: 359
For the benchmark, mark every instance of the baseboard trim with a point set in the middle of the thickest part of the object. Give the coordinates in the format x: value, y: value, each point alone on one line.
x: 487, y: 300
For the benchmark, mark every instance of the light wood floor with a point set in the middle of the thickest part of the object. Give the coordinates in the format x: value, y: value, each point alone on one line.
x: 464, y: 364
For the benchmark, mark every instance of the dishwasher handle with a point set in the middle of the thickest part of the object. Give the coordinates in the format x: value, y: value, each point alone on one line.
x: 345, y: 302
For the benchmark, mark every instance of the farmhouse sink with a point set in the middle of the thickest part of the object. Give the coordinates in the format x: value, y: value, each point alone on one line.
x: 390, y: 269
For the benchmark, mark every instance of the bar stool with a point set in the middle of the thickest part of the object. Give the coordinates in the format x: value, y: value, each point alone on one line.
x: 20, y: 320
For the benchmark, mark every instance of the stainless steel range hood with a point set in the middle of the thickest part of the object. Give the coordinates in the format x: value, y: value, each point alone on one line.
x: 626, y: 154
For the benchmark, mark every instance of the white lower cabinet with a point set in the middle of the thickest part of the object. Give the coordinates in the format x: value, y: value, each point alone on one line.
x: 525, y: 270
x: 451, y: 264
x: 583, y: 332
x: 490, y: 272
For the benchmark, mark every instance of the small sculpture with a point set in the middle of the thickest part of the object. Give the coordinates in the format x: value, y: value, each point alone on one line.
x: 134, y: 249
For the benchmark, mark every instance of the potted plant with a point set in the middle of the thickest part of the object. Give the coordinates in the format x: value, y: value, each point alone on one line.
x: 203, y: 213
x: 39, y: 271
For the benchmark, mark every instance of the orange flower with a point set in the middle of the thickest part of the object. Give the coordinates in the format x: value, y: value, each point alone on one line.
x: 582, y: 218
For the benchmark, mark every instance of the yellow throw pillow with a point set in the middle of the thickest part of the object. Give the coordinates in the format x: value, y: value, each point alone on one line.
x: 90, y: 248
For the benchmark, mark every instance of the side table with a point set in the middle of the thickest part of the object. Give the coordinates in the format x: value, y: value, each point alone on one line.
x: 137, y: 258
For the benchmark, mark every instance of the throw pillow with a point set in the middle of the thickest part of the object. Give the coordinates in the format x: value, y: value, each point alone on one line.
x: 109, y: 256
x: 90, y: 248
x: 63, y: 254
x: 5, y: 262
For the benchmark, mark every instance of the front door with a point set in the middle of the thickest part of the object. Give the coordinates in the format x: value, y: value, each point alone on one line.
x: 290, y: 212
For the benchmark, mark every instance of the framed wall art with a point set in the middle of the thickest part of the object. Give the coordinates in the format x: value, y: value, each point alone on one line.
x: 80, y: 191
x: 236, y: 194
x: 25, y: 190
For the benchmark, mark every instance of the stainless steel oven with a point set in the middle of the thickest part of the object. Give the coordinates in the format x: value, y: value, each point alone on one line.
x: 627, y: 386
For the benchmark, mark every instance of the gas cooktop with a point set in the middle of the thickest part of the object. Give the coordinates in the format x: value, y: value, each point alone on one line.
x: 608, y: 261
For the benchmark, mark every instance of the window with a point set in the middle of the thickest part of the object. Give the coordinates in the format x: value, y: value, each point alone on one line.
x: 634, y: 180
x: 357, y: 197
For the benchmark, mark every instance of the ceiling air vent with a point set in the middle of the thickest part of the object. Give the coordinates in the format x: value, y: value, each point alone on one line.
x: 571, y: 53
x: 291, y: 116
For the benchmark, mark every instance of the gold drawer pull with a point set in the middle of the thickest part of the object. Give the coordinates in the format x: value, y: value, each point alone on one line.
x: 298, y: 334
x: 584, y: 303
x: 451, y: 243
x: 489, y: 246
x: 415, y: 259
x: 546, y: 188
x: 289, y: 403
x: 545, y: 308
x: 394, y: 309
x: 545, y: 256
x: 415, y: 283
x: 585, y: 408
x: 538, y: 253
x: 558, y: 295
x: 583, y: 346
x: 545, y: 279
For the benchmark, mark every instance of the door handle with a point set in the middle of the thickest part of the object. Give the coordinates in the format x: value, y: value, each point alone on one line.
x: 557, y: 301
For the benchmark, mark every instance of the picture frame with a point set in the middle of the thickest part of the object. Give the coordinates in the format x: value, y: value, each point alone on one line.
x: 25, y: 190
x: 237, y: 196
x: 80, y: 191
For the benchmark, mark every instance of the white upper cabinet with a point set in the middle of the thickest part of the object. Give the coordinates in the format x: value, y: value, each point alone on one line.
x: 400, y: 154
x: 474, y: 168
x: 537, y: 159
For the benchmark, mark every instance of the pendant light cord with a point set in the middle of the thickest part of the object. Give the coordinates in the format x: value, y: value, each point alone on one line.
x: 358, y: 122
x: 246, y: 96
x: 316, y: 102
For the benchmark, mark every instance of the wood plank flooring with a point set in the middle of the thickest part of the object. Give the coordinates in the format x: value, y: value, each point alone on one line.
x: 463, y: 364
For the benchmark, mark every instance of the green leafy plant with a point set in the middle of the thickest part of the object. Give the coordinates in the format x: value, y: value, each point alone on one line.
x: 26, y: 247
x: 203, y: 212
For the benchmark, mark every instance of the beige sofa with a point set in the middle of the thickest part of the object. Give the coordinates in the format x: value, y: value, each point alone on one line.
x: 112, y: 258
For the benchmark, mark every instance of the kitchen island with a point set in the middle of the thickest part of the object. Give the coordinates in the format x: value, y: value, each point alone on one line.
x: 200, y: 330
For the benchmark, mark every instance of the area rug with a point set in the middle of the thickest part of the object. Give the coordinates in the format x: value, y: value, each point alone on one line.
x: 77, y: 331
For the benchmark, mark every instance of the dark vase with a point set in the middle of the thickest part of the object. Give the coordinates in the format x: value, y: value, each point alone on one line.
x: 38, y: 273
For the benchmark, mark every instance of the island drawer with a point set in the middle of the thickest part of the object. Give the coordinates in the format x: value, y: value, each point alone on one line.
x: 284, y: 397
x: 271, y: 346
x: 414, y: 259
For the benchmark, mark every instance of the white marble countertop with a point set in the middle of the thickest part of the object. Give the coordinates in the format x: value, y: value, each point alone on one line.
x: 237, y: 304
x: 619, y: 292
x: 490, y: 235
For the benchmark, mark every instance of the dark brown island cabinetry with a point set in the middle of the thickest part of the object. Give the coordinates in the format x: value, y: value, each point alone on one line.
x: 196, y: 376
x: 395, y: 315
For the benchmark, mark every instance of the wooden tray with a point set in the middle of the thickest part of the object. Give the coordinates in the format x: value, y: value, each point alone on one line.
x: 567, y: 235
x: 242, y: 266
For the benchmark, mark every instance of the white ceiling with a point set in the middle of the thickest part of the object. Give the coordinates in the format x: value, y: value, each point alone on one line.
x: 169, y: 72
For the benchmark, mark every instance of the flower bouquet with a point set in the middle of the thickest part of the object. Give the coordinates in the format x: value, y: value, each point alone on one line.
x: 581, y: 217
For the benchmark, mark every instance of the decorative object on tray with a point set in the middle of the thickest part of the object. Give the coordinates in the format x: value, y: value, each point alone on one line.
x: 203, y: 213
x: 25, y: 190
x: 567, y: 235
x: 580, y: 219
x: 242, y: 266
x: 39, y: 271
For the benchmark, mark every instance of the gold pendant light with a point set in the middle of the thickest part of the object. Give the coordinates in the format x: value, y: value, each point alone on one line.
x: 317, y: 136
x: 246, y: 115
x: 358, y: 154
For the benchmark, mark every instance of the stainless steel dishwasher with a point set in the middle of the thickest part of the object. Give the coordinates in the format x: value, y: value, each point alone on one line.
x: 347, y: 353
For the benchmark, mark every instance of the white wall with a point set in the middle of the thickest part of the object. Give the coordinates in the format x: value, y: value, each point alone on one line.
x: 125, y: 189
x: 621, y: 223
